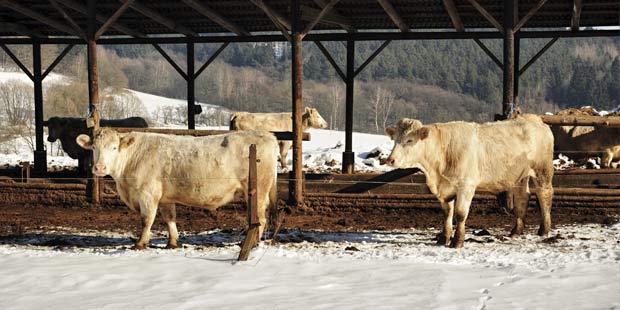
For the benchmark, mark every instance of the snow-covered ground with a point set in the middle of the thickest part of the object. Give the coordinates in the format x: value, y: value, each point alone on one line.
x: 580, y: 269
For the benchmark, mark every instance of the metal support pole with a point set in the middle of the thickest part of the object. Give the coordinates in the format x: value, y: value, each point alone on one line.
x: 516, y: 67
x: 348, y: 157
x: 509, y: 57
x: 40, y: 156
x: 191, y: 93
x: 92, y: 186
x: 296, y: 188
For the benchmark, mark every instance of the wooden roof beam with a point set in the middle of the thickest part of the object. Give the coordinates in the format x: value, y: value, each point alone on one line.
x: 21, y: 29
x: 319, y: 16
x: 391, y: 12
x: 110, y: 22
x: 273, y: 14
x: 152, y: 14
x: 68, y: 18
x: 528, y: 15
x: 454, y: 15
x: 574, y: 24
x: 310, y: 13
x: 487, y: 15
x: 37, y: 16
x: 78, y: 7
x: 217, y: 18
x: 335, y: 18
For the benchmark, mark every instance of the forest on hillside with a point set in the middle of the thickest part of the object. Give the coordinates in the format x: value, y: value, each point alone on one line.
x: 429, y: 80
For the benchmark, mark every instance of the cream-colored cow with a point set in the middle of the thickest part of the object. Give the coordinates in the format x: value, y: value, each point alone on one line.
x: 459, y: 158
x: 158, y: 171
x: 276, y: 122
x: 578, y: 142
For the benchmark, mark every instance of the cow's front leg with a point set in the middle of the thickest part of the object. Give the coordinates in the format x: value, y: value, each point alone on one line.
x: 463, y: 201
x: 148, y: 210
x: 448, y: 213
x: 169, y: 215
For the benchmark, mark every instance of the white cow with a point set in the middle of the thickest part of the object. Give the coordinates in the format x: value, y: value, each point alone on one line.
x: 459, y: 158
x: 276, y: 122
x: 158, y: 171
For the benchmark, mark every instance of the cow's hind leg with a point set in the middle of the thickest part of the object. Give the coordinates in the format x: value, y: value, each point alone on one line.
x: 169, y: 215
x: 148, y: 210
x: 448, y: 213
x: 463, y: 202
x: 544, y: 194
x: 521, y: 198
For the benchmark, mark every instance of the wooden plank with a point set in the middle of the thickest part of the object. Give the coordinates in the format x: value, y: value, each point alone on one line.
x: 78, y: 7
x: 18, y: 62
x: 371, y: 57
x: 576, y: 16
x: 454, y: 15
x: 331, y: 60
x: 486, y: 15
x: 582, y: 120
x: 155, y: 16
x: 170, y: 61
x: 280, y: 135
x: 39, y: 17
x: 211, y: 59
x: 487, y: 51
x: 326, y: 9
x: 57, y: 60
x: 538, y: 55
x: 217, y: 18
x: 529, y: 15
x: 252, y: 237
x: 119, y: 12
x: 393, y: 14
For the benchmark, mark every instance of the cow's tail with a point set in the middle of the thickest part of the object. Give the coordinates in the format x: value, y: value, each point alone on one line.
x: 274, y: 214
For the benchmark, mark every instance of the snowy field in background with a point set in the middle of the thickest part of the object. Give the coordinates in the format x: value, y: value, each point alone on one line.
x: 314, y: 270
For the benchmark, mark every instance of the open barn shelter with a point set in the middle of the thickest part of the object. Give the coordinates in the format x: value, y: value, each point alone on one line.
x: 92, y: 22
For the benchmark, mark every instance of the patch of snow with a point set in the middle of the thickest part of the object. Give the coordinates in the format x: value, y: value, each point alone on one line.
x: 319, y: 270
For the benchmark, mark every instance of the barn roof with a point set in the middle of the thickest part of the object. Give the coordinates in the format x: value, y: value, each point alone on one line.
x: 197, y: 18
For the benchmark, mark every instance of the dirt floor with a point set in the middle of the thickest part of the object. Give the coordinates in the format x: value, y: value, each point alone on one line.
x: 19, y: 216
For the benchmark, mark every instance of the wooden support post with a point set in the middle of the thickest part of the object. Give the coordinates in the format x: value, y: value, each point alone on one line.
x: 296, y: 188
x: 25, y: 171
x: 92, y: 186
x: 509, y: 58
x: 251, y: 236
x: 40, y: 156
x: 516, y: 69
x: 191, y: 93
x: 348, y: 157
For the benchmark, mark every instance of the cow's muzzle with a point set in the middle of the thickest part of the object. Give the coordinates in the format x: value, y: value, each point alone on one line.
x: 390, y: 161
x: 99, y: 170
x: 51, y: 139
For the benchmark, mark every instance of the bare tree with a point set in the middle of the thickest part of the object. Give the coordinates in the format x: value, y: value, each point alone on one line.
x: 17, y: 101
x: 382, y: 106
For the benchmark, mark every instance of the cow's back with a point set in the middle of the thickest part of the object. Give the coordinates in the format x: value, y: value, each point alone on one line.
x: 262, y: 121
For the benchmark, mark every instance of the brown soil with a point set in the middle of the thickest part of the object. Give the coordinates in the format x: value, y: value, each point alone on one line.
x: 22, y: 212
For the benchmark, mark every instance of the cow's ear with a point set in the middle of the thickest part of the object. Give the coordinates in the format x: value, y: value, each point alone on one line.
x: 127, y: 141
x: 391, y: 132
x: 422, y: 133
x: 84, y: 141
x: 46, y: 123
x: 307, y: 110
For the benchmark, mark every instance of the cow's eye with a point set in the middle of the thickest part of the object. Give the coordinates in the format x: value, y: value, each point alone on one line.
x: 410, y: 141
x: 114, y: 148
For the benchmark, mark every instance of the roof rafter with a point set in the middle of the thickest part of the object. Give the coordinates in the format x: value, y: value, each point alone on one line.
x: 21, y: 29
x: 396, y: 18
x: 110, y: 22
x: 152, y: 14
x: 529, y: 15
x: 574, y: 24
x: 217, y: 18
x: 487, y: 15
x: 319, y: 16
x: 454, y: 15
x: 78, y: 7
x: 335, y: 18
x: 68, y: 18
x: 37, y: 16
x: 272, y: 14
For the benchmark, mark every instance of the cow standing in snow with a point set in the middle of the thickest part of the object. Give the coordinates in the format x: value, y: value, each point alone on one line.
x: 158, y: 171
x: 459, y: 158
x: 276, y: 122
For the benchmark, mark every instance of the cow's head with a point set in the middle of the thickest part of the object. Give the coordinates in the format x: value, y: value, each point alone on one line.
x: 407, y: 136
x: 106, y: 146
x: 55, y: 127
x: 313, y: 119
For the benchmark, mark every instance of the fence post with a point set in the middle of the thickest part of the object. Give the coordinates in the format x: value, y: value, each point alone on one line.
x: 252, y: 237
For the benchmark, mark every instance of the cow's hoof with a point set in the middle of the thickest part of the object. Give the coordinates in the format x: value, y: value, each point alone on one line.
x: 514, y: 235
x: 138, y: 247
x: 543, y: 232
x: 456, y: 244
x: 442, y: 240
x: 172, y: 246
